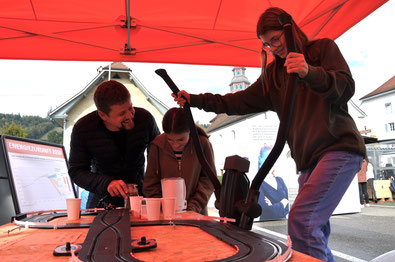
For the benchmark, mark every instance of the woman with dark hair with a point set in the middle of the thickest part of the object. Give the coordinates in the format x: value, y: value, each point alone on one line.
x: 323, y: 138
x: 172, y: 154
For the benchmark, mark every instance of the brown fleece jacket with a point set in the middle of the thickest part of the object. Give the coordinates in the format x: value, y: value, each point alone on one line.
x: 162, y: 163
x: 320, y: 121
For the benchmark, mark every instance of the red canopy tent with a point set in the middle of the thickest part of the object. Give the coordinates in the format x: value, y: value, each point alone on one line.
x: 210, y: 32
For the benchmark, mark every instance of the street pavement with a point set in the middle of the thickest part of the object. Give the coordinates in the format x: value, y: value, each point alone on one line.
x: 354, y: 237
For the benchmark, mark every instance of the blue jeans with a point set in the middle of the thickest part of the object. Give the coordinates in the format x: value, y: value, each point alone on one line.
x: 320, y: 190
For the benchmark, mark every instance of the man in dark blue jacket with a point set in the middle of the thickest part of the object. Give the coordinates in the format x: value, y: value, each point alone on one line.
x: 107, y: 146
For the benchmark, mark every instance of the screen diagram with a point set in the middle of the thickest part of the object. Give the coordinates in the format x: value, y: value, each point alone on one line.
x: 39, y: 174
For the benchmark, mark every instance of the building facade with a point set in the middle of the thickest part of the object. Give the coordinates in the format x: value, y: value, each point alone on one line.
x: 239, y: 80
x: 82, y: 103
x: 249, y: 136
x: 379, y: 105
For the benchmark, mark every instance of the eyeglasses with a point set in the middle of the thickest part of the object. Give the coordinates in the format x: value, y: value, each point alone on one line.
x: 274, y: 42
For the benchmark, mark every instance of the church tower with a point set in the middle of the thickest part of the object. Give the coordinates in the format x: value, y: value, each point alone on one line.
x: 239, y: 80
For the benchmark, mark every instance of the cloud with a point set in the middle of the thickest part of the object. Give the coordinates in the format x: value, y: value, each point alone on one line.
x: 355, y: 63
x: 368, y: 49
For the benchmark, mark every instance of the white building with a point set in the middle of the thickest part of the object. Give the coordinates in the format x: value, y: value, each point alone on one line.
x: 248, y: 135
x: 378, y: 105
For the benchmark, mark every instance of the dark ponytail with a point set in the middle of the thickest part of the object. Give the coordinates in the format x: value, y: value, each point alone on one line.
x: 175, y: 121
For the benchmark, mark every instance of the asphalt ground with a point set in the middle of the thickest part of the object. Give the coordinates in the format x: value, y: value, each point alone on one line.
x: 354, y: 237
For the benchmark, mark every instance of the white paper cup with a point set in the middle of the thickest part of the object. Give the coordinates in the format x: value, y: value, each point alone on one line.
x: 135, y: 205
x: 153, y: 208
x: 169, y: 207
x: 73, y: 208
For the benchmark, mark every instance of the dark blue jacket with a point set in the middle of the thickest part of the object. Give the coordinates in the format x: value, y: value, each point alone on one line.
x: 96, y: 160
x: 277, y: 209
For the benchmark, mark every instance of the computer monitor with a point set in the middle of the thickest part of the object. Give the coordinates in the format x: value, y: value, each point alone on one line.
x: 38, y: 174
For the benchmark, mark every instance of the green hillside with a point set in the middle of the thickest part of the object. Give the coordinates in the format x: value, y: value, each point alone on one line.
x: 34, y: 127
x: 56, y: 128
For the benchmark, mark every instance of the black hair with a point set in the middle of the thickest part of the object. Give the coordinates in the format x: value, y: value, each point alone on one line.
x: 175, y: 121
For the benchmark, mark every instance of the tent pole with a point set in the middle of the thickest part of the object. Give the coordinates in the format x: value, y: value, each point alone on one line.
x: 128, y: 25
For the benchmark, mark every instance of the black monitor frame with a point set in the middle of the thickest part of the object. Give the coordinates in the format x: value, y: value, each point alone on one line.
x: 9, y: 168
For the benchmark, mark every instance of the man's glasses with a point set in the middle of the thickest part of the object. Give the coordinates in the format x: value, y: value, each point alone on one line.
x: 274, y: 42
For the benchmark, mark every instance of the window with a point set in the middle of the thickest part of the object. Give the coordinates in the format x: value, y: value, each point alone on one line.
x: 388, y: 108
x: 391, y: 126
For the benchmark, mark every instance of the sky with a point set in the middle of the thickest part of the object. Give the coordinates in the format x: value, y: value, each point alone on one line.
x: 36, y: 87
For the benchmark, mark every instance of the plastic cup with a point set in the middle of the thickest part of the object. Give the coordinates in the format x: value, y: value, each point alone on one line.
x: 73, y: 208
x: 135, y: 205
x: 169, y: 207
x: 153, y: 208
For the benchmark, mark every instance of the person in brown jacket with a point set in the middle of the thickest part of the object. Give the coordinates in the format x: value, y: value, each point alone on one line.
x: 325, y: 142
x: 362, y: 184
x: 172, y: 154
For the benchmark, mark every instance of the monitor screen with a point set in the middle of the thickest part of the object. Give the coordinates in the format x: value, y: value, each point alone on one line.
x: 38, y: 174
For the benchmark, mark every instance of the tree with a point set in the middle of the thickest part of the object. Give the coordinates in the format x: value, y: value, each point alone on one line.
x: 35, y: 126
x: 55, y: 137
x: 13, y: 130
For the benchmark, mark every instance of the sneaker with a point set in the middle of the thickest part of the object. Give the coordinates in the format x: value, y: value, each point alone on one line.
x: 362, y: 206
x: 367, y: 205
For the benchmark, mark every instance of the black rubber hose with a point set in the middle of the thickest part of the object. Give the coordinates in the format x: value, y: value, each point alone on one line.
x: 285, y: 122
x: 195, y: 137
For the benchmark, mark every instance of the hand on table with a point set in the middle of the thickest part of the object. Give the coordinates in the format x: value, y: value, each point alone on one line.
x: 118, y: 188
